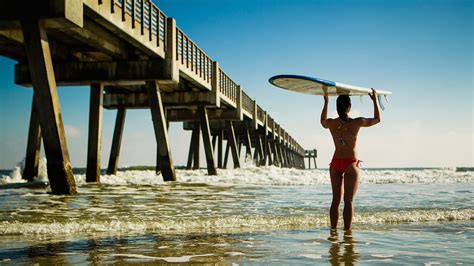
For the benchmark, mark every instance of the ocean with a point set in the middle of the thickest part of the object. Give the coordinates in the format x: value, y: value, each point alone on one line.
x: 253, y: 215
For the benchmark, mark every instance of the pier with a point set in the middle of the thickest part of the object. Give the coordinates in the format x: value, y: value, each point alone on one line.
x: 311, y: 155
x: 132, y: 56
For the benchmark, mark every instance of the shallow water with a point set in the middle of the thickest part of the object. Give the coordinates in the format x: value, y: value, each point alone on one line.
x: 246, y: 216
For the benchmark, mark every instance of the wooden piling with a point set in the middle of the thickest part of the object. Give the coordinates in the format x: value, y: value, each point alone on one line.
x: 189, y: 164
x: 259, y: 148
x: 40, y: 64
x: 161, y: 131
x: 196, y: 145
x: 232, y: 143
x: 116, y: 141
x: 206, y: 136
x: 193, y: 156
x: 34, y: 145
x: 95, y: 133
x: 226, y: 154
x: 220, y: 140
x: 248, y: 144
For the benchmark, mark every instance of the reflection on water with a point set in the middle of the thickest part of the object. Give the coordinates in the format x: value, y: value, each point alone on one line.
x: 394, y: 244
x: 240, y: 218
x: 207, y: 248
x: 348, y: 256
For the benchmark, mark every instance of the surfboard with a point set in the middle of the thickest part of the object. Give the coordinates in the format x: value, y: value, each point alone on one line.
x: 318, y: 86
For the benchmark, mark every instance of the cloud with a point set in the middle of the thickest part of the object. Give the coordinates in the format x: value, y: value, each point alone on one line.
x: 72, y: 131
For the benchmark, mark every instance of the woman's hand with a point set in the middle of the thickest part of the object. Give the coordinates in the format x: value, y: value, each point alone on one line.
x: 373, y: 95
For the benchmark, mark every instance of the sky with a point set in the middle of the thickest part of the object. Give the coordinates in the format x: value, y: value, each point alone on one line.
x: 422, y: 51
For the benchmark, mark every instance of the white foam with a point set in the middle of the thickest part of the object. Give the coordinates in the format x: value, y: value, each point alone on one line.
x: 235, y: 253
x: 181, y: 259
x: 271, y: 175
x: 236, y: 223
x: 311, y: 256
x: 267, y: 175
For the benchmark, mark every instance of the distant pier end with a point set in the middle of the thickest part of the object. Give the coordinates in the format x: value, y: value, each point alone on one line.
x: 311, y: 155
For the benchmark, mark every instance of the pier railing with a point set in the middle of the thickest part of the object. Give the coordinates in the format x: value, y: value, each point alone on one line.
x: 192, y: 60
x: 141, y: 22
x: 229, y: 90
x: 139, y: 13
x: 247, y: 104
x: 260, y: 115
x: 147, y: 24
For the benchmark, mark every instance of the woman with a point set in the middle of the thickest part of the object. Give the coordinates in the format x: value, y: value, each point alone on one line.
x: 344, y: 167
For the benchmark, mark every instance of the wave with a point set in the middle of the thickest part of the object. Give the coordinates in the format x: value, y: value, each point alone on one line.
x: 271, y: 175
x: 267, y: 175
x: 235, y: 223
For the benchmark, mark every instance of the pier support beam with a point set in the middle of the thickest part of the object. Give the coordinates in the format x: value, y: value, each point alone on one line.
x: 161, y: 131
x: 274, y: 151
x: 220, y: 142
x: 197, y: 146
x: 95, y: 133
x: 226, y: 154
x: 268, y: 146
x: 34, y: 145
x: 40, y: 64
x: 248, y: 144
x: 259, y: 151
x: 116, y: 141
x: 206, y: 136
x: 232, y: 143
x: 193, y: 157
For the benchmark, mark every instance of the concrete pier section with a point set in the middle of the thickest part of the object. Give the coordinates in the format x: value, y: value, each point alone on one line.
x: 132, y: 56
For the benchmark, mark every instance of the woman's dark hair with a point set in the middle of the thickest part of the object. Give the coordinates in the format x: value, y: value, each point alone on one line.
x: 343, y: 103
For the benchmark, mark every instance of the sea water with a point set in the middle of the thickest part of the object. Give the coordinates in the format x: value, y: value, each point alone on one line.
x: 253, y: 215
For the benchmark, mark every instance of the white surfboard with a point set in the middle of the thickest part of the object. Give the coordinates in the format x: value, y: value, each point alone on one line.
x: 317, y: 86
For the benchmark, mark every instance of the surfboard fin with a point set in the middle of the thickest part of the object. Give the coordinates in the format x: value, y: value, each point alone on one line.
x: 380, y: 102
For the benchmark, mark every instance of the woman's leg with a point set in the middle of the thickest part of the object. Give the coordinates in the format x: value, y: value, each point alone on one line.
x: 351, y: 183
x: 337, y: 190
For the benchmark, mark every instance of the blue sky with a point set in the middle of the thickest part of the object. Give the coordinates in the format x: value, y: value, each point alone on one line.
x: 420, y: 50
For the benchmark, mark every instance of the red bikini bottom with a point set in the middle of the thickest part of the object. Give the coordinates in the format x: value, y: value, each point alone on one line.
x: 341, y: 164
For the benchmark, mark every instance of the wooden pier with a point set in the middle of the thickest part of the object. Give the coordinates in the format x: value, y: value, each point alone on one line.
x: 311, y: 155
x: 132, y: 56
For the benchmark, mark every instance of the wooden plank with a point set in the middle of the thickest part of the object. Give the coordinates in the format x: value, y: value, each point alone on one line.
x: 95, y: 133
x: 34, y: 145
x: 116, y: 141
x: 206, y: 135
x: 40, y: 64
x: 161, y: 132
x: 231, y: 140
